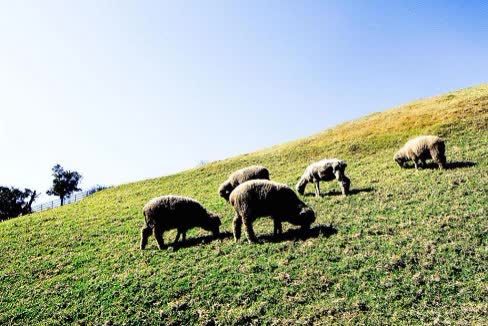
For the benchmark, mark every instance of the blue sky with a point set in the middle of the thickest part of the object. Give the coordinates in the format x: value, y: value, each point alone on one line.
x: 127, y: 90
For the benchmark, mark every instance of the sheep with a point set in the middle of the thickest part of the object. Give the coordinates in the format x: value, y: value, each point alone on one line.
x: 420, y: 149
x: 260, y: 198
x: 249, y: 173
x: 175, y: 212
x: 324, y: 170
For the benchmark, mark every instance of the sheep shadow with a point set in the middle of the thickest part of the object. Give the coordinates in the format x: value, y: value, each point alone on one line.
x: 204, y: 239
x: 299, y: 234
x: 338, y: 193
x: 290, y: 235
x: 449, y: 165
x: 459, y: 165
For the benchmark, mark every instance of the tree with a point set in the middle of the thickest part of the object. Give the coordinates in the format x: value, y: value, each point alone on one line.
x: 15, y: 202
x: 27, y: 209
x: 95, y: 189
x: 65, y: 182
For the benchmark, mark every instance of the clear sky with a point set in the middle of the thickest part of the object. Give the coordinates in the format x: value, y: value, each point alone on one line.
x: 126, y: 90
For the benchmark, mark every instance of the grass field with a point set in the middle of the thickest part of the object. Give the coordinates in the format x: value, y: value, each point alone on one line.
x: 406, y: 247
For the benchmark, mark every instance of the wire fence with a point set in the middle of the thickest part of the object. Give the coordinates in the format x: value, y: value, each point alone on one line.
x: 57, y: 202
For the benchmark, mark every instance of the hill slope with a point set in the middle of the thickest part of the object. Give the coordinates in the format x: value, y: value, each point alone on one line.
x: 407, y: 246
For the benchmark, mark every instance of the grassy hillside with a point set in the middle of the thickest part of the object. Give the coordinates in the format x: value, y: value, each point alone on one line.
x: 406, y: 247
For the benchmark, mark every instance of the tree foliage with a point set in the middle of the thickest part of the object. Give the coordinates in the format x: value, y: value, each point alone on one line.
x: 15, y: 202
x: 95, y: 189
x: 65, y: 182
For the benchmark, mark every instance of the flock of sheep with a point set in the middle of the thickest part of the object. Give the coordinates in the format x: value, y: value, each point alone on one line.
x: 253, y: 195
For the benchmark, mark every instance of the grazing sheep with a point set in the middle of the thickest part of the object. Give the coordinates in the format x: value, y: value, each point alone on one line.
x: 421, y: 149
x: 325, y: 170
x: 240, y: 176
x: 175, y: 212
x: 259, y: 198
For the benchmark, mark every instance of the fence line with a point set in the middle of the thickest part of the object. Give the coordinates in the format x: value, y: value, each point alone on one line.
x: 57, y: 202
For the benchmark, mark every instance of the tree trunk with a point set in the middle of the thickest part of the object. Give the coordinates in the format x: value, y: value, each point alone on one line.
x: 62, y: 200
x: 27, y: 209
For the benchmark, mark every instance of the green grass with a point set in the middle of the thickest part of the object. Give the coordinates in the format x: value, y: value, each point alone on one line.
x: 410, y: 247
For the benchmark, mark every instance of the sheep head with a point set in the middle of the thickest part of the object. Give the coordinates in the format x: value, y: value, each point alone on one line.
x: 400, y: 159
x: 304, y: 218
x: 338, y: 169
x: 300, y: 186
x: 225, y: 189
x: 213, y: 224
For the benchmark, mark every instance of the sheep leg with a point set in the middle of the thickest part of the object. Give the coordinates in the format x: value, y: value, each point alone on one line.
x: 158, y: 234
x: 439, y: 158
x: 277, y: 227
x: 145, y: 233
x: 345, y: 184
x: 442, y: 164
x: 441, y: 161
x: 251, y: 236
x: 317, y: 189
x: 178, y: 233
x: 237, y: 227
x: 416, y: 162
x: 184, y: 236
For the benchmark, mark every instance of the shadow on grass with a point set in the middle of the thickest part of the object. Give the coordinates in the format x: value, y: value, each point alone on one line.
x: 205, y: 239
x: 460, y: 164
x: 449, y: 165
x: 299, y: 234
x: 190, y: 242
x: 338, y: 193
x: 289, y: 235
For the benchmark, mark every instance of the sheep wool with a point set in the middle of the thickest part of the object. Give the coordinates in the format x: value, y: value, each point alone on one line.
x: 324, y: 170
x: 175, y: 212
x: 421, y: 149
x: 260, y: 198
x: 253, y: 172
